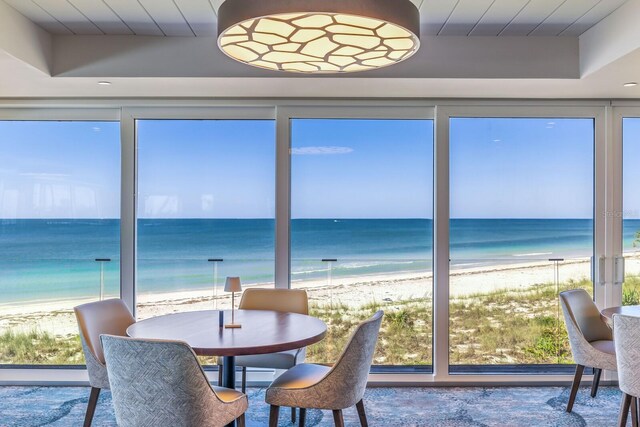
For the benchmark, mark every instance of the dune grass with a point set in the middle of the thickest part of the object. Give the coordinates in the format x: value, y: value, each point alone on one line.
x: 502, y: 327
x: 39, y: 348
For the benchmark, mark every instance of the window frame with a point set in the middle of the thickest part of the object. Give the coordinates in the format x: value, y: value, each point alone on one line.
x: 607, y: 192
x: 441, y: 265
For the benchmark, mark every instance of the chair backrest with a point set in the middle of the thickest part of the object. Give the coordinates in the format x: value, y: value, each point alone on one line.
x: 110, y: 317
x: 582, y: 311
x: 626, y: 338
x: 348, y: 377
x: 283, y: 300
x: 157, y: 382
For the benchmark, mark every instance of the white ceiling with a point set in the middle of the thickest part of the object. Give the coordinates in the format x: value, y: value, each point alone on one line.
x: 198, y: 17
x: 167, y: 48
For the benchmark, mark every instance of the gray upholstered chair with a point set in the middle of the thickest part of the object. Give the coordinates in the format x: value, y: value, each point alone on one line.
x: 590, y: 338
x: 161, y: 383
x: 103, y: 317
x: 283, y: 300
x: 626, y: 336
x: 334, y: 388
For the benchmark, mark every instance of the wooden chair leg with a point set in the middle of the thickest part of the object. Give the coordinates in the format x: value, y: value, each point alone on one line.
x: 574, y: 387
x: 274, y: 412
x: 624, y: 410
x: 634, y: 412
x: 91, y: 406
x: 219, y: 375
x: 240, y: 421
x: 303, y: 416
x: 293, y: 415
x: 244, y: 379
x: 361, y: 414
x: 596, y: 381
x: 337, y: 418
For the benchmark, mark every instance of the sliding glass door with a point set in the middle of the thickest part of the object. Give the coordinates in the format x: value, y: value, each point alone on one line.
x: 521, y: 231
x: 362, y: 231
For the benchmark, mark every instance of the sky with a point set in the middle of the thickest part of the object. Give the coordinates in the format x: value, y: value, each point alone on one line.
x: 59, y: 169
x: 500, y: 168
x: 361, y: 168
x: 521, y: 168
x: 206, y: 168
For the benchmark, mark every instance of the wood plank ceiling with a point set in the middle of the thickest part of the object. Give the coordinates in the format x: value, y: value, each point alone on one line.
x: 198, y: 17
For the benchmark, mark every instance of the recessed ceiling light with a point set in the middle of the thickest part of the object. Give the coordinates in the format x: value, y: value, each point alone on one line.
x: 104, y: 83
x: 630, y: 84
x: 319, y: 36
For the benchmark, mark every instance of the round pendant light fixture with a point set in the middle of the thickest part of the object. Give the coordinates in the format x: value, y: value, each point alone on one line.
x: 319, y: 36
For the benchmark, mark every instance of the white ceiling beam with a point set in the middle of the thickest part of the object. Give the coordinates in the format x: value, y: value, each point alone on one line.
x: 611, y: 39
x: 24, y: 40
x: 439, y: 57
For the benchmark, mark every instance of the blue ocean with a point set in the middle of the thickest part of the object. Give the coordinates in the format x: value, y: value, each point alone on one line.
x: 55, y: 259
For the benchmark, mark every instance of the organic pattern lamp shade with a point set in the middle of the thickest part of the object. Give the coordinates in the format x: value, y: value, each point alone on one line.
x: 339, y: 36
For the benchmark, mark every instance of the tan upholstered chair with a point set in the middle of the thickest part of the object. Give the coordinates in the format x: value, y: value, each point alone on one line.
x: 590, y: 338
x: 321, y: 387
x: 103, y: 317
x: 626, y: 336
x: 161, y: 383
x: 283, y: 300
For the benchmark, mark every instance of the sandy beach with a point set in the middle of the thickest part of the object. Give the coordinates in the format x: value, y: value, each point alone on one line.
x: 57, y: 316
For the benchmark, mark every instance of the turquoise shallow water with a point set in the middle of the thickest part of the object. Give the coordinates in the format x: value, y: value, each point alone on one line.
x: 53, y: 259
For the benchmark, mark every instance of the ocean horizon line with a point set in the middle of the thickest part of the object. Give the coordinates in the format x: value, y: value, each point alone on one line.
x: 306, y: 218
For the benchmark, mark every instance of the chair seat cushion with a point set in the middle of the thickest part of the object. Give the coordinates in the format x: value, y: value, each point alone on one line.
x: 227, y: 395
x: 301, y: 376
x: 282, y: 360
x: 605, y: 346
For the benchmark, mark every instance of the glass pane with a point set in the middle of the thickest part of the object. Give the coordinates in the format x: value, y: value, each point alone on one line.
x: 521, y: 231
x: 59, y: 214
x: 631, y: 210
x: 361, y: 231
x: 205, y: 211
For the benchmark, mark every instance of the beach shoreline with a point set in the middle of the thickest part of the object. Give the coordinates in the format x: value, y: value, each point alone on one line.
x: 353, y: 291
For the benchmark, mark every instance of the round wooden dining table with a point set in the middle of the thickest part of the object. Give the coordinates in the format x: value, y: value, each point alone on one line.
x: 629, y: 310
x: 261, y: 332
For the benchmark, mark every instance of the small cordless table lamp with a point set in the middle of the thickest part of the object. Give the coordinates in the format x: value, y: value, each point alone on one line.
x: 233, y: 285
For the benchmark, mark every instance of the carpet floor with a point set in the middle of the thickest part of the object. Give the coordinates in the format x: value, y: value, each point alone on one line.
x: 432, y: 406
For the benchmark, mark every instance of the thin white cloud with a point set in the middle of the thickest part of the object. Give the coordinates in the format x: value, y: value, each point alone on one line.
x: 315, y: 151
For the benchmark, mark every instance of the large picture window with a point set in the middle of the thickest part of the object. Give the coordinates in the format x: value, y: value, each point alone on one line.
x: 59, y: 234
x: 361, y: 231
x: 521, y: 231
x: 205, y: 211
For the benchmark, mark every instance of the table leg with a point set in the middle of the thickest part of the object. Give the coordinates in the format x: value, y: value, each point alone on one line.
x: 229, y: 376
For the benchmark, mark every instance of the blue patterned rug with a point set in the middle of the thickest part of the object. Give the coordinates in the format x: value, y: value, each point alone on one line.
x: 431, y: 406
